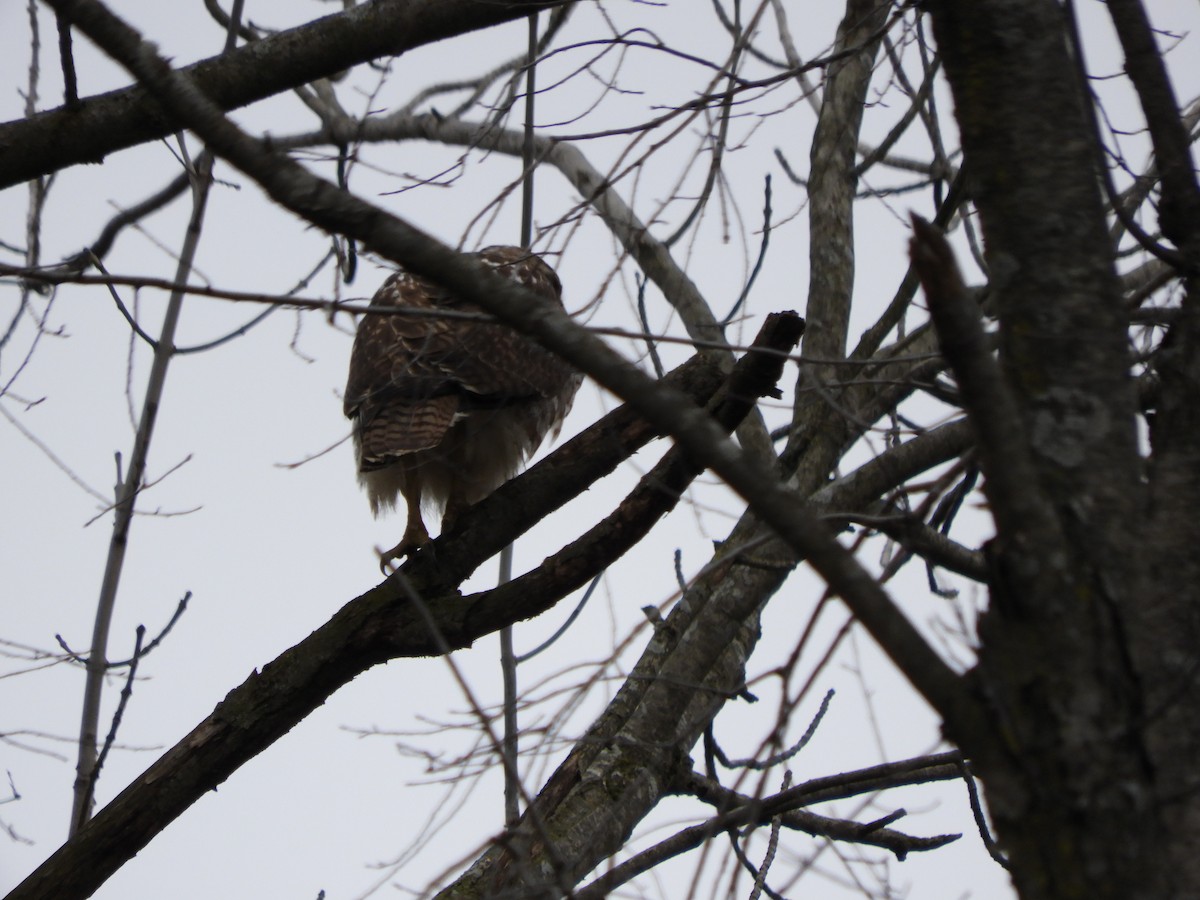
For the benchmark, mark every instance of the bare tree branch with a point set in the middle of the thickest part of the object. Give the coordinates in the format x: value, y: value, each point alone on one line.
x: 114, y: 121
x: 377, y: 626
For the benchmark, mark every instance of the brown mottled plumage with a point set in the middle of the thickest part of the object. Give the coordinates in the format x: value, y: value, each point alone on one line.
x: 446, y: 410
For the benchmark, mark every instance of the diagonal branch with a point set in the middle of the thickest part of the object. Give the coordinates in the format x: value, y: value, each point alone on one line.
x: 1179, y: 210
x: 657, y: 491
x: 1003, y: 447
x: 652, y: 256
x: 378, y: 626
x: 321, y: 203
x: 106, y: 123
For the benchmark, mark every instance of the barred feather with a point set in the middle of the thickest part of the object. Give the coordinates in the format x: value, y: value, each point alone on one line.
x: 445, y: 409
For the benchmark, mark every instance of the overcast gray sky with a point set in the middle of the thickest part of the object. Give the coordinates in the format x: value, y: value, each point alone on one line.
x: 269, y: 550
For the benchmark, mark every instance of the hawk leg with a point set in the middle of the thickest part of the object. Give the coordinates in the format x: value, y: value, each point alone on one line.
x: 456, y: 505
x: 416, y: 535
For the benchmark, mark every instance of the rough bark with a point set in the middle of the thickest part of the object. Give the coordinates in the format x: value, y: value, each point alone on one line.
x: 832, y: 184
x: 1165, y: 621
x: 1070, y: 782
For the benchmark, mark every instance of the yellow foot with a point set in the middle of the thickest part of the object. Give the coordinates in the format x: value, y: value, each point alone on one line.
x: 389, y: 560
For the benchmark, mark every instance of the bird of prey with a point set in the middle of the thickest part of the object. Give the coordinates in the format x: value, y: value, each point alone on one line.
x: 446, y: 409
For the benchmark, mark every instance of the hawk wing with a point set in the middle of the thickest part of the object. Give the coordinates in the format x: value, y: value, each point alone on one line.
x: 412, y: 376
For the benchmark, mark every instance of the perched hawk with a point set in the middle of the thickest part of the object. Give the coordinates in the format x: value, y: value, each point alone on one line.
x: 445, y: 410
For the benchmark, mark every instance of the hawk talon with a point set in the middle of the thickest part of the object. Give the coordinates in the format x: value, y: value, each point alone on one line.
x: 414, y: 541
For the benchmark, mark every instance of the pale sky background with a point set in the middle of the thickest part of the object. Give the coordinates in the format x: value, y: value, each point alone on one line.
x: 269, y: 552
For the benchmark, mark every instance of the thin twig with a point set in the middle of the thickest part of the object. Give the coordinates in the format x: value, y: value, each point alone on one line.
x: 180, y: 609
x: 760, y: 879
x: 110, y: 738
x: 651, y: 343
x: 783, y: 756
x: 985, y: 833
x: 67, y: 59
x: 562, y: 629
x: 762, y: 254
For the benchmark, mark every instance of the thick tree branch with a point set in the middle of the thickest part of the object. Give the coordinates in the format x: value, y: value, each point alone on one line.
x: 657, y: 491
x: 890, y: 469
x: 323, y: 204
x: 1017, y: 505
x: 1063, y: 343
x: 1055, y: 659
x: 104, y: 124
x: 685, y: 675
x: 1166, y: 628
x: 371, y: 629
x: 832, y: 179
x: 831, y: 188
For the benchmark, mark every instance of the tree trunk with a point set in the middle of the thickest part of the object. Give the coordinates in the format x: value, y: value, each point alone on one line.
x: 1074, y: 777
